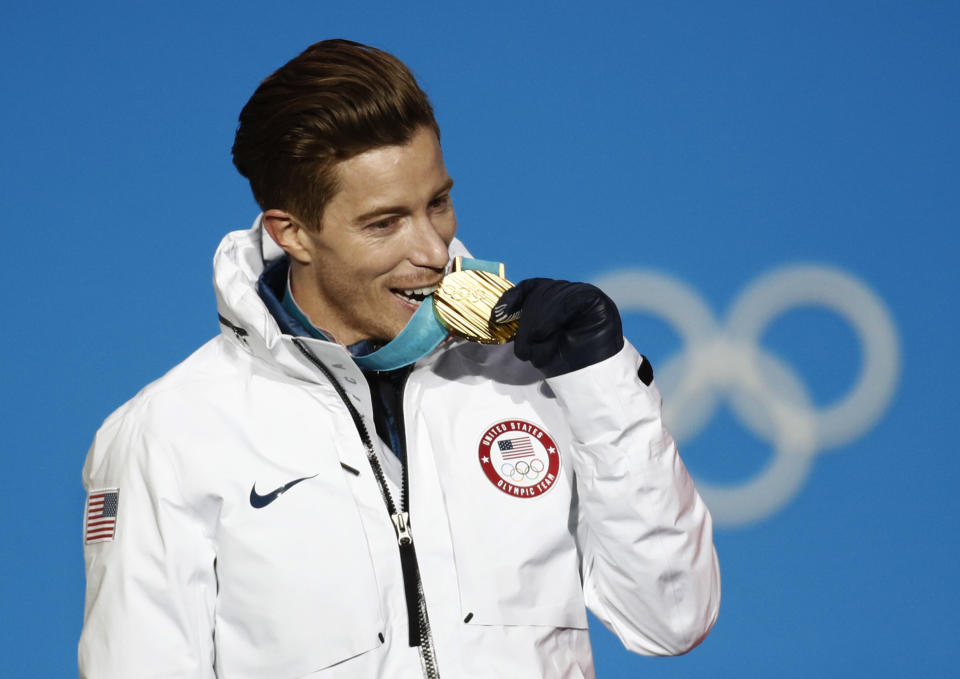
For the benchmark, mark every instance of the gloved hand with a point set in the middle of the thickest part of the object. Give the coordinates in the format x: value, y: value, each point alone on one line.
x: 563, y: 326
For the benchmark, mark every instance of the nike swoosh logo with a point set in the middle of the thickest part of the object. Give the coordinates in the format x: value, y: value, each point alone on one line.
x: 257, y: 501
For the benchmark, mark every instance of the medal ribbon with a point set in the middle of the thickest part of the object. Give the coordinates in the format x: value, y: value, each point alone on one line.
x: 422, y: 333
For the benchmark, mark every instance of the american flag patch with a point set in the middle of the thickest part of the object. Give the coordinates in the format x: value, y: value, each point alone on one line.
x: 101, y: 522
x: 515, y: 448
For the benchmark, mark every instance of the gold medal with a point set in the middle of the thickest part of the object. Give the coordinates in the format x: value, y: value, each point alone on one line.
x: 464, y: 303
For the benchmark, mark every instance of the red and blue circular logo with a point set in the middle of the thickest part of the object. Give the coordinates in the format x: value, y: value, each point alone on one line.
x: 519, y: 458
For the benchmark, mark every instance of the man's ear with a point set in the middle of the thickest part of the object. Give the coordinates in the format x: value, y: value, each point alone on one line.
x: 289, y: 234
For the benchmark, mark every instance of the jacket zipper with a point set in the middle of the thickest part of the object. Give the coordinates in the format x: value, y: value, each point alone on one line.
x: 414, y: 591
x: 417, y: 620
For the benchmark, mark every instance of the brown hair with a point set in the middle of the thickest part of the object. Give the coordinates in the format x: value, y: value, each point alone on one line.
x: 334, y: 101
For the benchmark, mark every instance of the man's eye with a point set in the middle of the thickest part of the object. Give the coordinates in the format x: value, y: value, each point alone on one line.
x: 386, y: 223
x: 440, y: 202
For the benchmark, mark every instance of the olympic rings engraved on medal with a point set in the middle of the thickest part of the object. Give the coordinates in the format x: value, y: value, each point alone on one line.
x: 770, y: 398
x: 465, y: 294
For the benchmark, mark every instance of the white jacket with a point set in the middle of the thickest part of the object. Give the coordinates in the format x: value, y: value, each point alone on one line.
x: 197, y: 582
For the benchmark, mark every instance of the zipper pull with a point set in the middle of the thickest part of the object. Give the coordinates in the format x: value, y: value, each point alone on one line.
x: 401, y: 521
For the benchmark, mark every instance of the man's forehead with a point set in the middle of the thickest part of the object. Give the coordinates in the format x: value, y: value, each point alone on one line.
x: 422, y: 151
x: 392, y: 173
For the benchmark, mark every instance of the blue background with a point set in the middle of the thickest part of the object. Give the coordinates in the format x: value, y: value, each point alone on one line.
x: 710, y: 141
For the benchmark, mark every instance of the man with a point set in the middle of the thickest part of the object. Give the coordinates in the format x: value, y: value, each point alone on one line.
x: 316, y: 492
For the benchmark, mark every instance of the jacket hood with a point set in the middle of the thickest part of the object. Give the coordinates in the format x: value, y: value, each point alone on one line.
x: 245, y: 319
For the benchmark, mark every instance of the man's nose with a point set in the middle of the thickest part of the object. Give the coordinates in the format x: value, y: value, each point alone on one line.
x: 429, y: 248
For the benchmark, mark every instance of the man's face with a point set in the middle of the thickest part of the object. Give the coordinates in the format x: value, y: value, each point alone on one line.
x: 382, y: 245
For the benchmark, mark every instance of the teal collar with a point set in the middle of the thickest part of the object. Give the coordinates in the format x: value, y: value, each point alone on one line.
x: 292, y: 308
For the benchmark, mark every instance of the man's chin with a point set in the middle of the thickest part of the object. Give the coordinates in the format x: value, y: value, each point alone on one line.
x: 390, y: 324
x: 384, y: 336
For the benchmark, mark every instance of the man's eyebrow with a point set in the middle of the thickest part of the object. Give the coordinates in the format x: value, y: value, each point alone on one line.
x: 376, y: 212
x: 400, y: 209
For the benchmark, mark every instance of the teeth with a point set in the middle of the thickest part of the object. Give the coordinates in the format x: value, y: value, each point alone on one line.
x: 417, y: 293
x: 429, y: 290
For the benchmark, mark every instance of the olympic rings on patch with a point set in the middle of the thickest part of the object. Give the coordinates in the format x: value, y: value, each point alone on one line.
x: 726, y: 362
x: 522, y: 470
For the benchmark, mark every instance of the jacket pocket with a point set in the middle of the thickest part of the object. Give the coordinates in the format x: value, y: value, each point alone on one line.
x: 516, y: 557
x: 297, y: 588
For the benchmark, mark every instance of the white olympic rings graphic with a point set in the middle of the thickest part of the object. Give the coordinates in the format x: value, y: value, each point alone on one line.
x: 766, y: 394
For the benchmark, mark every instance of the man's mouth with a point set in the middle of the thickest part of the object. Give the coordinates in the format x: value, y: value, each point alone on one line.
x: 414, y: 295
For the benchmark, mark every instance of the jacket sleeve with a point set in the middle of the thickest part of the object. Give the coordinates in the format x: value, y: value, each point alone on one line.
x: 151, y: 589
x: 649, y: 567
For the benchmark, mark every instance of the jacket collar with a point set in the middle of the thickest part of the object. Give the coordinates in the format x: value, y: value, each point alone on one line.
x: 239, y: 262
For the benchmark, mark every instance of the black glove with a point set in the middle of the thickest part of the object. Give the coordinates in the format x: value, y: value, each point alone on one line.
x: 563, y: 326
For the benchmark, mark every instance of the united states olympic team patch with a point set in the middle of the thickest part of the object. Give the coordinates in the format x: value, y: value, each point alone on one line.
x: 519, y: 458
